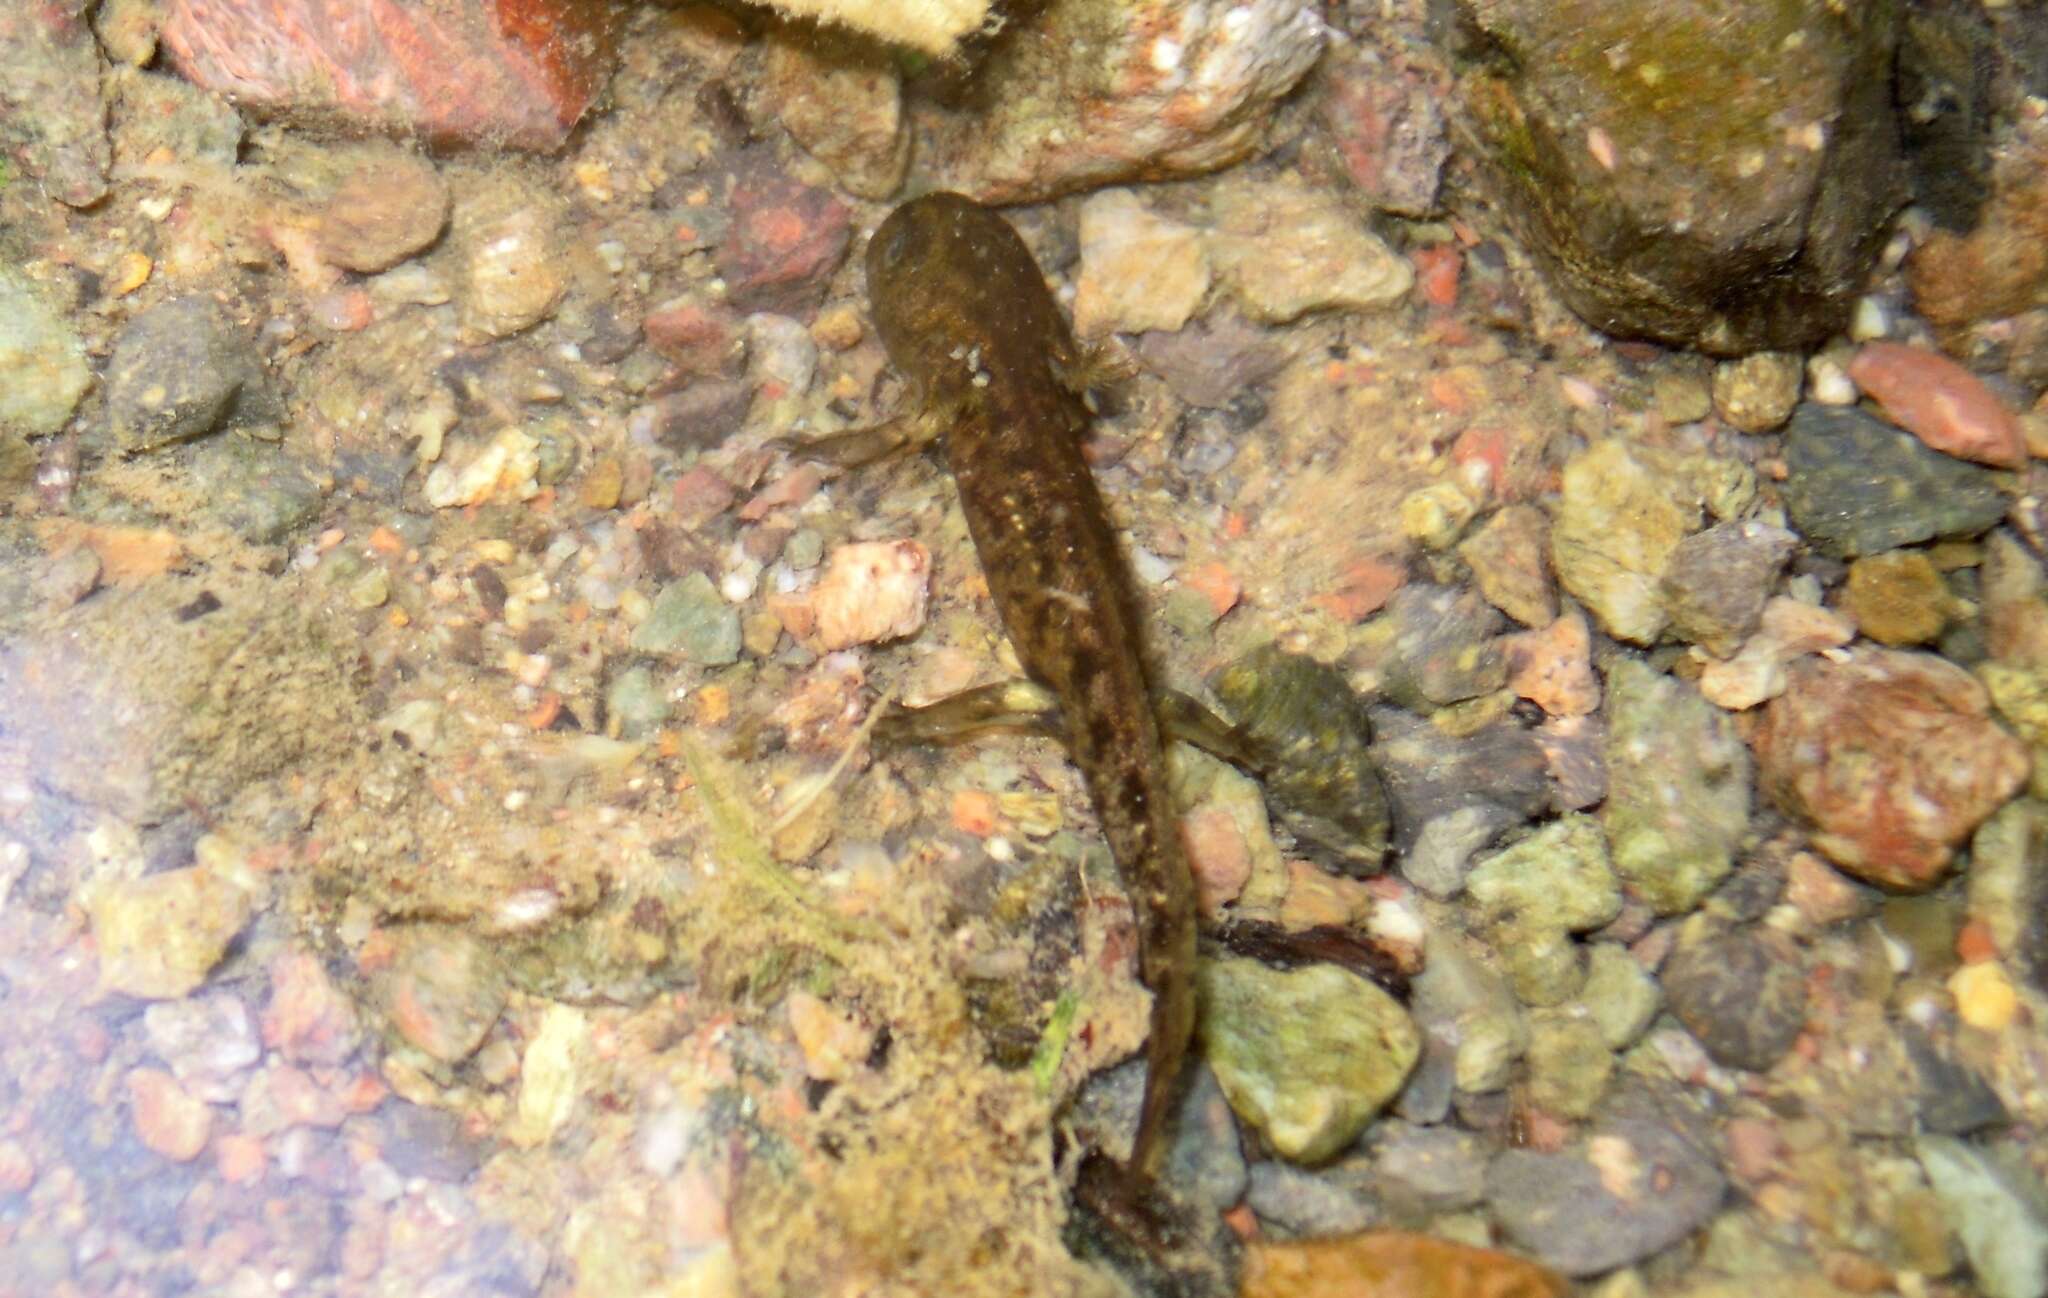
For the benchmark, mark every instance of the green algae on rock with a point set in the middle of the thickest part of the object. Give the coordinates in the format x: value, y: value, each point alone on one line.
x: 1678, y: 780
x: 1308, y: 1056
x: 1855, y: 485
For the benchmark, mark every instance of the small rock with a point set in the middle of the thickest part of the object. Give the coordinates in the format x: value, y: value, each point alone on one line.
x: 1940, y: 402
x: 1619, y: 994
x: 1385, y: 117
x: 160, y: 935
x: 1619, y: 521
x: 1286, y: 250
x: 1434, y: 517
x: 1443, y: 848
x: 42, y: 363
x: 1954, y: 1099
x: 179, y: 371
x: 1994, y: 1206
x: 1429, y: 773
x: 308, y: 1019
x: 1466, y: 1002
x: 842, y: 101
x: 1139, y: 270
x: 513, y: 269
x: 1307, y: 1056
x: 1544, y: 965
x: 420, y: 1141
x: 1757, y: 393
x: 1304, y: 1203
x: 871, y: 591
x: 700, y: 339
x: 691, y: 620
x: 167, y: 1120
x: 1569, y: 1062
x: 1891, y: 757
x: 1822, y: 894
x: 506, y: 467
x: 1214, y: 360
x: 636, y: 705
x: 443, y: 991
x: 1628, y: 1191
x: 1681, y: 397
x: 1575, y: 756
x: 701, y: 415
x: 206, y: 1040
x: 1678, y: 782
x: 784, y: 359
x: 1428, y: 1170
x: 548, y: 1073
x: 1390, y: 1264
x: 1742, y: 993
x: 1553, y: 668
x: 786, y: 237
x: 1897, y: 598
x: 1855, y: 485
x: 1717, y: 581
x: 1436, y: 645
x: 1510, y: 560
x: 390, y: 204
x: 1789, y: 630
x: 1985, y: 997
x: 280, y: 1097
x: 1558, y: 878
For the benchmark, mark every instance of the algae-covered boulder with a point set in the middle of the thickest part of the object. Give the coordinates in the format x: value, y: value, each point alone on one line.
x: 1710, y: 175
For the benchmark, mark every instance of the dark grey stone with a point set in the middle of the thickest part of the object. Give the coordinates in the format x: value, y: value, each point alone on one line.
x: 1855, y: 485
x: 1562, y: 1208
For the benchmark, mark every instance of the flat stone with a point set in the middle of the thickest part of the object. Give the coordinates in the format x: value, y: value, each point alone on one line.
x: 1139, y: 270
x: 1628, y: 1191
x: 1994, y: 1205
x: 1855, y: 485
x: 1557, y: 878
x: 1510, y: 560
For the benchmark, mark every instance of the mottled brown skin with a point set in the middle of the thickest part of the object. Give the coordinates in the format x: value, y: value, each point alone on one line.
x: 966, y: 316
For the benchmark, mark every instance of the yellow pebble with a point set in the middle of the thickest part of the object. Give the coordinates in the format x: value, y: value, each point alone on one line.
x: 131, y: 272
x: 1984, y: 996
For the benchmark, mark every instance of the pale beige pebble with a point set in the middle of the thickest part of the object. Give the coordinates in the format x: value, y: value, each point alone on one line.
x: 513, y: 271
x: 1822, y: 894
x: 167, y: 1120
x: 161, y: 935
x: 506, y: 466
x: 871, y: 591
x: 547, y: 1076
x: 833, y: 1044
x: 1827, y: 379
x: 837, y: 327
x: 1756, y: 393
x: 933, y: 26
x: 1985, y: 997
x: 1285, y: 249
x: 1756, y: 673
x: 1553, y: 667
x: 1434, y: 517
x: 1139, y: 270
